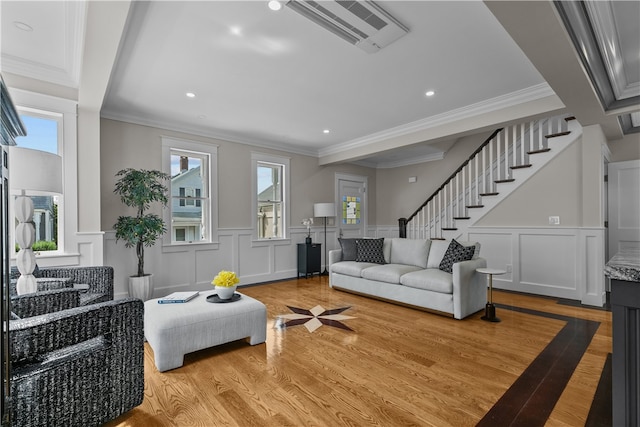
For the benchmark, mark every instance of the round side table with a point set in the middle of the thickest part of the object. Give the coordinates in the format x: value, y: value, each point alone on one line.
x: 490, y: 309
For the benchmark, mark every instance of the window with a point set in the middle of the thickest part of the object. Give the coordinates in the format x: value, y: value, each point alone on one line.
x: 192, y: 167
x: 44, y: 133
x: 270, y: 190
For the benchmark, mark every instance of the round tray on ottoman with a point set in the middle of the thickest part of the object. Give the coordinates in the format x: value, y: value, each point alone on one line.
x: 216, y: 299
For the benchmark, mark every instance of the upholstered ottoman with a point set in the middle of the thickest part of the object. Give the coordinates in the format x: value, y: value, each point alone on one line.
x: 173, y: 330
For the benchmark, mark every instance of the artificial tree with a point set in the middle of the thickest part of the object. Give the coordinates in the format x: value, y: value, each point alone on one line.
x: 138, y: 188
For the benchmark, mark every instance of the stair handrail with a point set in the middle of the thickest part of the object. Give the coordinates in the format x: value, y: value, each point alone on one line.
x: 446, y: 181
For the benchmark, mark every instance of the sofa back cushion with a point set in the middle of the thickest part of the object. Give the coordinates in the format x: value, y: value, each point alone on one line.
x: 436, y: 253
x: 410, y: 252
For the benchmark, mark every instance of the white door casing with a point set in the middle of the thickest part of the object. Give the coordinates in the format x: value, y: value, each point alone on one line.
x: 624, y: 205
x: 351, y: 203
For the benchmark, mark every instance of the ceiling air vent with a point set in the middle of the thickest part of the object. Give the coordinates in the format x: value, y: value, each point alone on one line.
x: 362, y: 23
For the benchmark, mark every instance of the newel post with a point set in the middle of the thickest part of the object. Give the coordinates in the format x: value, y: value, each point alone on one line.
x: 402, y: 225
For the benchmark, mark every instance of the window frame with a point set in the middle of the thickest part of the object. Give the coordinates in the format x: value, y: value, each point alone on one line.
x: 171, y: 145
x: 64, y: 113
x: 285, y: 162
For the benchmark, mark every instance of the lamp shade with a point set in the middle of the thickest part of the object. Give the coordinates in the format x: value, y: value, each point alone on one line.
x: 324, y: 209
x: 34, y: 171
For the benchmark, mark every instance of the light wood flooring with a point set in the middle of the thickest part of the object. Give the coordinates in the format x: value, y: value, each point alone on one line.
x: 398, y: 367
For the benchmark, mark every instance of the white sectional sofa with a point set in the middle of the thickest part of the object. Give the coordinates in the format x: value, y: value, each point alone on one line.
x: 411, y: 273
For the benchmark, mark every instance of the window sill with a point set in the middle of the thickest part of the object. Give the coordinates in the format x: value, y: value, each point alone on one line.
x: 270, y: 242
x: 186, y: 247
x: 57, y: 259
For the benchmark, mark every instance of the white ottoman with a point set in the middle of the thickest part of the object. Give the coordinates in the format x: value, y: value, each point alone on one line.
x: 173, y: 330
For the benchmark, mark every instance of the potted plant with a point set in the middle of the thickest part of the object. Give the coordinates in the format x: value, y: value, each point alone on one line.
x: 138, y: 188
x: 225, y: 284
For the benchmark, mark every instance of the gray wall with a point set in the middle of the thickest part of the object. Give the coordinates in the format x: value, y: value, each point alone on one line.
x: 397, y: 198
x: 129, y: 145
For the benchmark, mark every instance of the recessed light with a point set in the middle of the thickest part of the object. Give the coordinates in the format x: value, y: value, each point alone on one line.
x: 430, y: 93
x: 190, y: 95
x: 202, y: 117
x: 235, y: 30
x: 22, y: 26
x: 275, y: 5
x: 326, y: 131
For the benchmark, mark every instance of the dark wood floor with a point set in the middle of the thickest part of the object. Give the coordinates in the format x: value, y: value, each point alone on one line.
x: 369, y: 362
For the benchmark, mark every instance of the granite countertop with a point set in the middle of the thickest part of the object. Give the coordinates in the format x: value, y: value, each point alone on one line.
x: 625, y: 265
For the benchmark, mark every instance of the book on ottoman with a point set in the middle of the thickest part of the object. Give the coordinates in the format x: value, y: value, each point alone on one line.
x: 178, y: 297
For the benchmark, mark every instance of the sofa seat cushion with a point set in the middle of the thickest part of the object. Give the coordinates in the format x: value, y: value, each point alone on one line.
x: 389, y: 273
x: 431, y: 279
x: 351, y: 268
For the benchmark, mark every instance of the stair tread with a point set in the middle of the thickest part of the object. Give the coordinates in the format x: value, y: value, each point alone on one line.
x: 542, y: 150
x: 438, y: 238
x: 448, y: 229
x: 489, y: 194
x: 566, y: 119
x: 520, y: 166
x: 555, y: 135
x: 461, y: 217
x: 475, y: 206
x: 504, y: 180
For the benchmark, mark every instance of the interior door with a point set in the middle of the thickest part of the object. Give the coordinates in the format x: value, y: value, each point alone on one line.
x: 352, y: 206
x: 624, y: 205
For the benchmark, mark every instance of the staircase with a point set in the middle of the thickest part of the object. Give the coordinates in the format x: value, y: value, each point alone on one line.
x: 507, y: 159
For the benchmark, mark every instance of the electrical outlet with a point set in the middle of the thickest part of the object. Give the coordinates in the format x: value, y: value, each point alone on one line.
x: 508, y: 268
x: 554, y: 220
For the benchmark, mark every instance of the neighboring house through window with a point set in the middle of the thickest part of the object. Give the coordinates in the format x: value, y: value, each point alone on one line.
x: 192, y: 167
x: 271, y: 195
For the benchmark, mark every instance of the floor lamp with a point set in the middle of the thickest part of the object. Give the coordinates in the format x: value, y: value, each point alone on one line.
x: 34, y: 172
x: 324, y: 210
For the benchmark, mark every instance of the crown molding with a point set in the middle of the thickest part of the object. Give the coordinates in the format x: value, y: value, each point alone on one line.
x: 75, y: 13
x: 399, y: 163
x: 207, y: 133
x: 490, y: 105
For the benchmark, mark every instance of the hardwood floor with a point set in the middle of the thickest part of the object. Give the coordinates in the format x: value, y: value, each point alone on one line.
x: 398, y: 367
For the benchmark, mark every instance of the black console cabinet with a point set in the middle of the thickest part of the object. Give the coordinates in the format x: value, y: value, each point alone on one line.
x: 309, y: 258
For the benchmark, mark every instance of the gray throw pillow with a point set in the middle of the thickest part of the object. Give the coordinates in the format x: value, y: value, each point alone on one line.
x: 349, y: 250
x: 455, y: 253
x: 370, y: 250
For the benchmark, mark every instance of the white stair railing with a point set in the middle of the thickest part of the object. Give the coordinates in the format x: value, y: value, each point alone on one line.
x: 493, y: 162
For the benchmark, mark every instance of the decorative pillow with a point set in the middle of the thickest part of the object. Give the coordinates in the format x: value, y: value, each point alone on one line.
x: 349, y: 250
x: 36, y: 272
x: 455, y: 253
x: 370, y: 250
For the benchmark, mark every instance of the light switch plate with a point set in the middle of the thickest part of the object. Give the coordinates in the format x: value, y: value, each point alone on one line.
x: 554, y: 220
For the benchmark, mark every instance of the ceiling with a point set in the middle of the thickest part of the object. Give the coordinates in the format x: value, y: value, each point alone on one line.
x: 278, y: 80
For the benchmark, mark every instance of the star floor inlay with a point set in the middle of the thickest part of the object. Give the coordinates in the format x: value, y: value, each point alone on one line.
x: 316, y: 317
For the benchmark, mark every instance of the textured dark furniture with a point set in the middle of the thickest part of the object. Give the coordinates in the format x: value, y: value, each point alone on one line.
x: 99, y: 279
x: 309, y: 258
x: 78, y: 367
x: 625, y: 307
x: 35, y: 304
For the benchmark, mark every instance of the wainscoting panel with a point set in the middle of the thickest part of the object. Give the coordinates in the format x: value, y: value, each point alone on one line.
x: 548, y: 260
x: 500, y: 246
x: 182, y: 267
x: 554, y: 261
x: 253, y: 261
